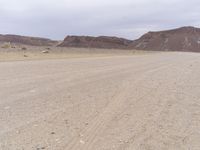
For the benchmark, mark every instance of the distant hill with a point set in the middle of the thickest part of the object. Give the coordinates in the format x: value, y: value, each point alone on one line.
x: 95, y: 42
x: 33, y: 41
x: 181, y: 39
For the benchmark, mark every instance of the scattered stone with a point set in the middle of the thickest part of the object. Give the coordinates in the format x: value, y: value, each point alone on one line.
x: 35, y: 125
x: 32, y: 91
x: 80, y: 135
x: 57, y: 140
x: 53, y: 133
x: 126, y: 141
x: 66, y: 121
x: 7, y: 107
x: 45, y: 52
x: 18, y: 132
x: 24, y: 48
x: 82, y: 142
x: 25, y: 55
x: 40, y: 148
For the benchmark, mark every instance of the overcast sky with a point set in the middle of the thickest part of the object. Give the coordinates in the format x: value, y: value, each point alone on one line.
x: 125, y: 18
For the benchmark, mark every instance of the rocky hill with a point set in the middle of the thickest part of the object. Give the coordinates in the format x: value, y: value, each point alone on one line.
x: 95, y: 42
x: 181, y: 39
x: 33, y: 41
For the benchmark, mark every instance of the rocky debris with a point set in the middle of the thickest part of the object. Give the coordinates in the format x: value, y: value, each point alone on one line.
x: 82, y: 142
x: 40, y: 148
x: 181, y: 39
x: 33, y: 41
x: 95, y: 42
x: 45, y: 52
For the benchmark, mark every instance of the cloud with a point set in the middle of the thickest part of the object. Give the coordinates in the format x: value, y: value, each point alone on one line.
x: 126, y: 18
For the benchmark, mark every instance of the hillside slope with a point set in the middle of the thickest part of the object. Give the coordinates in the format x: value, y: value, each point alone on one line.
x: 95, y: 42
x: 181, y: 39
x: 26, y: 40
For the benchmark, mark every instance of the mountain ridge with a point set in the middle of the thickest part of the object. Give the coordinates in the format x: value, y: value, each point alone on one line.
x: 96, y: 42
x: 179, y: 39
x: 26, y: 40
x: 185, y: 38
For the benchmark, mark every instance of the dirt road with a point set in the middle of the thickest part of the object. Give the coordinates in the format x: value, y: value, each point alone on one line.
x: 144, y: 102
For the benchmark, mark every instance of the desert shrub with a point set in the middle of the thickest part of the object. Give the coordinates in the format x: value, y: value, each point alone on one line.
x: 24, y: 48
x: 6, y: 45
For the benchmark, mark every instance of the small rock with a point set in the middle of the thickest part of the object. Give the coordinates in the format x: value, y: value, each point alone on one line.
x: 7, y: 107
x: 18, y: 132
x: 32, y: 91
x: 39, y: 148
x: 82, y: 142
x: 66, y: 121
x: 45, y: 52
x: 126, y: 141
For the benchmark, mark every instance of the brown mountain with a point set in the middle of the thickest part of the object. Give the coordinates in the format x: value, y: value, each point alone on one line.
x: 95, y: 42
x: 181, y: 39
x: 34, y: 41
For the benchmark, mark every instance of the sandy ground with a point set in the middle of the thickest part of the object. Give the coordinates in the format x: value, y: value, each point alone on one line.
x: 36, y: 53
x: 138, y: 102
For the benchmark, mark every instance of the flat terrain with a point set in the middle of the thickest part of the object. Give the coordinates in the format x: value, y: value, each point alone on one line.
x: 36, y: 53
x: 137, y: 102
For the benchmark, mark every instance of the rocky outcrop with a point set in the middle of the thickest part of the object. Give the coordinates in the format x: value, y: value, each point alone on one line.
x: 95, y: 42
x: 181, y: 39
x: 33, y: 41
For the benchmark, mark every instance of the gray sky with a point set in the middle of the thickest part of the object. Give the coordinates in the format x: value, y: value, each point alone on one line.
x: 125, y: 18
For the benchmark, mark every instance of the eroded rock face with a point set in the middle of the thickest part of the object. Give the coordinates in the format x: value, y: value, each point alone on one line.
x: 33, y: 41
x: 95, y: 42
x: 181, y: 39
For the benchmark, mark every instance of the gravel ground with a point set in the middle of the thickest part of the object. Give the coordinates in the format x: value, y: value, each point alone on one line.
x: 137, y: 102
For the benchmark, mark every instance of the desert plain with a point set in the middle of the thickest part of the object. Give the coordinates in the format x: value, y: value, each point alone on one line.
x: 95, y: 99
